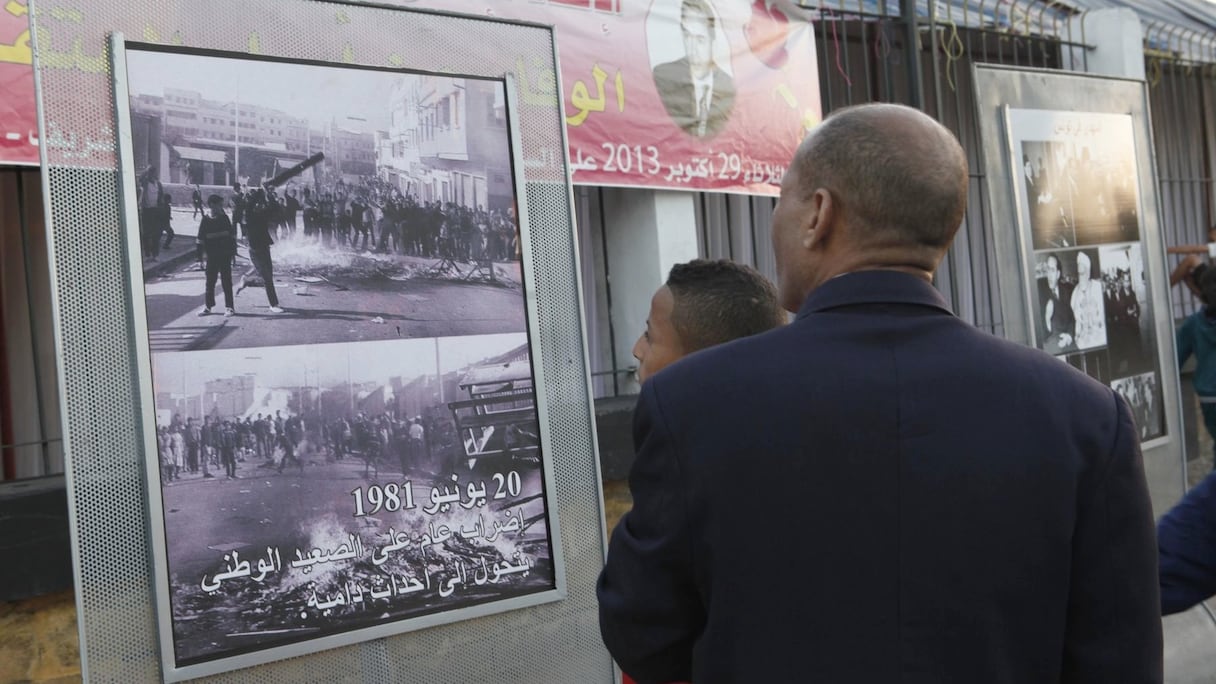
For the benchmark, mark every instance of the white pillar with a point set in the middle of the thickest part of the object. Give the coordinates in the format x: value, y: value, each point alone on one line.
x: 647, y: 232
x: 1117, y: 40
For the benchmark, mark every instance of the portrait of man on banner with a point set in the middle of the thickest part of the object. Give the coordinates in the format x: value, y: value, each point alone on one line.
x: 696, y: 91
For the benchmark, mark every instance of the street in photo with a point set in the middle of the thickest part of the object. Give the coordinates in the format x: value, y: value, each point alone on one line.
x: 314, y: 489
x: 284, y: 203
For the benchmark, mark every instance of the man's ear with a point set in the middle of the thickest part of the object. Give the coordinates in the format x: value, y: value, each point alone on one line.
x: 820, y: 221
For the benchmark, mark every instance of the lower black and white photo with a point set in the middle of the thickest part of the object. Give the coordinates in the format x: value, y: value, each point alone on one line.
x: 1143, y: 394
x: 312, y: 490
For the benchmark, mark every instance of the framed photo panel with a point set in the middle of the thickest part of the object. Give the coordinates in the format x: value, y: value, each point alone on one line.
x: 1077, y: 198
x: 344, y: 436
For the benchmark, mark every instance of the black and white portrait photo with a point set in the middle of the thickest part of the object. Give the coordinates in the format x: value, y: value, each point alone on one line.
x: 314, y: 489
x: 1129, y: 319
x: 284, y: 203
x: 1070, y: 314
x: 1055, y: 324
x: 692, y: 71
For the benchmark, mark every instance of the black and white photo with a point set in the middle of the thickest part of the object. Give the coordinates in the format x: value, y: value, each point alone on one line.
x: 360, y: 204
x: 1080, y: 193
x: 1069, y: 309
x: 1129, y: 317
x: 345, y: 435
x: 1077, y: 196
x: 310, y: 490
x: 1055, y: 324
x: 1143, y: 394
x: 1088, y: 305
x: 1049, y: 195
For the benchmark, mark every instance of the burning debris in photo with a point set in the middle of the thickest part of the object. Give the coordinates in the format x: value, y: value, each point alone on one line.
x: 343, y: 579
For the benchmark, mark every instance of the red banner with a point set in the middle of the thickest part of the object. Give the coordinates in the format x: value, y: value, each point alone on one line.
x: 682, y: 94
x: 637, y: 113
x: 18, y: 113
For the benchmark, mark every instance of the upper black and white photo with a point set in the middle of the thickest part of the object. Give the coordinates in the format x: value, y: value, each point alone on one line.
x: 1080, y: 193
x: 287, y: 203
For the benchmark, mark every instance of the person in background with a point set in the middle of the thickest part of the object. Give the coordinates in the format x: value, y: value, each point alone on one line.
x: 1190, y: 269
x: 148, y: 193
x: 1197, y: 337
x: 1186, y: 535
x: 166, y: 218
x: 196, y: 201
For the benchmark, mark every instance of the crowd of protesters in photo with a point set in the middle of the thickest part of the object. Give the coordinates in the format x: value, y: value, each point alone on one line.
x: 369, y: 215
x: 188, y: 447
x: 374, y: 216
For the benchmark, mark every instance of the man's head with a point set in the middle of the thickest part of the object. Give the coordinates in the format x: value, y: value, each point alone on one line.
x: 877, y: 186
x: 1052, y: 270
x: 697, y: 25
x: 704, y: 303
x: 1083, y: 269
x: 216, y: 204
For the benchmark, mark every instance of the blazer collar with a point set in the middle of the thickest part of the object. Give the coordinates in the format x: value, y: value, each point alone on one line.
x: 873, y: 287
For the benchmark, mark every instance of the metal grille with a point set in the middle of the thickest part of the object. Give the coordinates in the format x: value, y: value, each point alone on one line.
x: 1181, y: 96
x: 863, y: 57
x: 556, y: 642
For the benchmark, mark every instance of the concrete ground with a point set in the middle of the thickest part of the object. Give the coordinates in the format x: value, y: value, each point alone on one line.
x: 39, y: 641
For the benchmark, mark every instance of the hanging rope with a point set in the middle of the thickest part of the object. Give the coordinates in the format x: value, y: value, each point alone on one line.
x: 954, y: 49
x: 836, y: 47
x: 882, y: 41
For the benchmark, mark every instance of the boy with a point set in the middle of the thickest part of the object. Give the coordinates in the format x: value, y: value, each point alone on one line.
x: 704, y: 303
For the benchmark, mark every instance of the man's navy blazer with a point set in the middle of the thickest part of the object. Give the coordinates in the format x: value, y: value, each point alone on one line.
x: 879, y: 492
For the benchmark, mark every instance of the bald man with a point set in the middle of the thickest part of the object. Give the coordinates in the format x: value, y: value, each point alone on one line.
x: 878, y: 492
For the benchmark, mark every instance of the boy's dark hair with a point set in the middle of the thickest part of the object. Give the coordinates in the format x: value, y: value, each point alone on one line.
x: 719, y: 301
